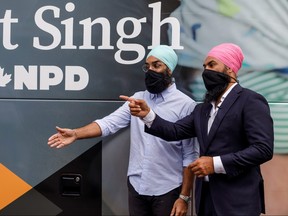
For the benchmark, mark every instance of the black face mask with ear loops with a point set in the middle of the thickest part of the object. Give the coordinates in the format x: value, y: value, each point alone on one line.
x: 213, y: 79
x: 215, y: 83
x: 157, y: 82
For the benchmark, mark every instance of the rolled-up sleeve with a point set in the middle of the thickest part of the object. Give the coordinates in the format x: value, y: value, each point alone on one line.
x: 120, y: 118
x: 190, y: 151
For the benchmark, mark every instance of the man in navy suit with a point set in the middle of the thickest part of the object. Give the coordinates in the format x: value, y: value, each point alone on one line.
x: 235, y: 132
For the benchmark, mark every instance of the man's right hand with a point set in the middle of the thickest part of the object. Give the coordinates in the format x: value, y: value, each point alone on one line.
x: 138, y: 107
x: 63, y: 138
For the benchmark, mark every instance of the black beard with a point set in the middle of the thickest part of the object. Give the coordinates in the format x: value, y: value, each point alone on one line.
x: 217, y: 91
x: 214, y: 94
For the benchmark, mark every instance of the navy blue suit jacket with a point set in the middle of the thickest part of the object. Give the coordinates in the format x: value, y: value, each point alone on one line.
x: 242, y: 135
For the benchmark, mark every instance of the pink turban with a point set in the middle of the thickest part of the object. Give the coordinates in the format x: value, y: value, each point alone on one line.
x: 229, y: 54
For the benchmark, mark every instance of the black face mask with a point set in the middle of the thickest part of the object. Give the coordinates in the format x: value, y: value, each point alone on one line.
x: 157, y: 82
x: 215, y: 83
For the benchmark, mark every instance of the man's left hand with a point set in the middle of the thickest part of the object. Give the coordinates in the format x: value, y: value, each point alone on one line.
x: 180, y: 208
x: 202, y: 166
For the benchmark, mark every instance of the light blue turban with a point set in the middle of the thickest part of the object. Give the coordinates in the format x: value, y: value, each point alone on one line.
x: 165, y: 54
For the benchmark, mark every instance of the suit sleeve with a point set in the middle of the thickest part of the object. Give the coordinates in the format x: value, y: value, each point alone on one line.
x: 258, y: 130
x: 169, y: 131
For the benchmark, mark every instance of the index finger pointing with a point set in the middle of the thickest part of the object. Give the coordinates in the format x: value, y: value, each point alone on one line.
x: 126, y: 98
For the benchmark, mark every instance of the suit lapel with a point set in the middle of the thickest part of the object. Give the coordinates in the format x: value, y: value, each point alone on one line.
x: 225, y: 106
x: 205, y: 112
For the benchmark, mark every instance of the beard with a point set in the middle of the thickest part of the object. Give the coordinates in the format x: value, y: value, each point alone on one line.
x: 217, y: 91
x: 214, y: 94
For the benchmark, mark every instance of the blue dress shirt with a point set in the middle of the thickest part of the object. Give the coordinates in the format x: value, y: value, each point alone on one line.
x: 155, y: 165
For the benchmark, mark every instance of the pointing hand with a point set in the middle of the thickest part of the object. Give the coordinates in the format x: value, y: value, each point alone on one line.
x: 137, y: 107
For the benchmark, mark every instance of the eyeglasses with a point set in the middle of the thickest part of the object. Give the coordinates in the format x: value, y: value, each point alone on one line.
x: 154, y: 65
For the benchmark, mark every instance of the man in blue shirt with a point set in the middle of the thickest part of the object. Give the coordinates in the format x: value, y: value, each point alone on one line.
x: 159, y: 182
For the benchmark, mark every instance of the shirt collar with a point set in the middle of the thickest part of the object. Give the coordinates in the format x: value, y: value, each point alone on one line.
x: 164, y: 94
x: 223, y: 96
x: 228, y: 91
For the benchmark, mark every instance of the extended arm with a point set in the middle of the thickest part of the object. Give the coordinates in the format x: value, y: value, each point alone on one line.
x: 182, y: 129
x: 66, y: 136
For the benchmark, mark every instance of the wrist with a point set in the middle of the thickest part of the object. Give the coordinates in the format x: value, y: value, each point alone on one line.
x: 149, y: 117
x: 187, y: 199
x: 75, y: 134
